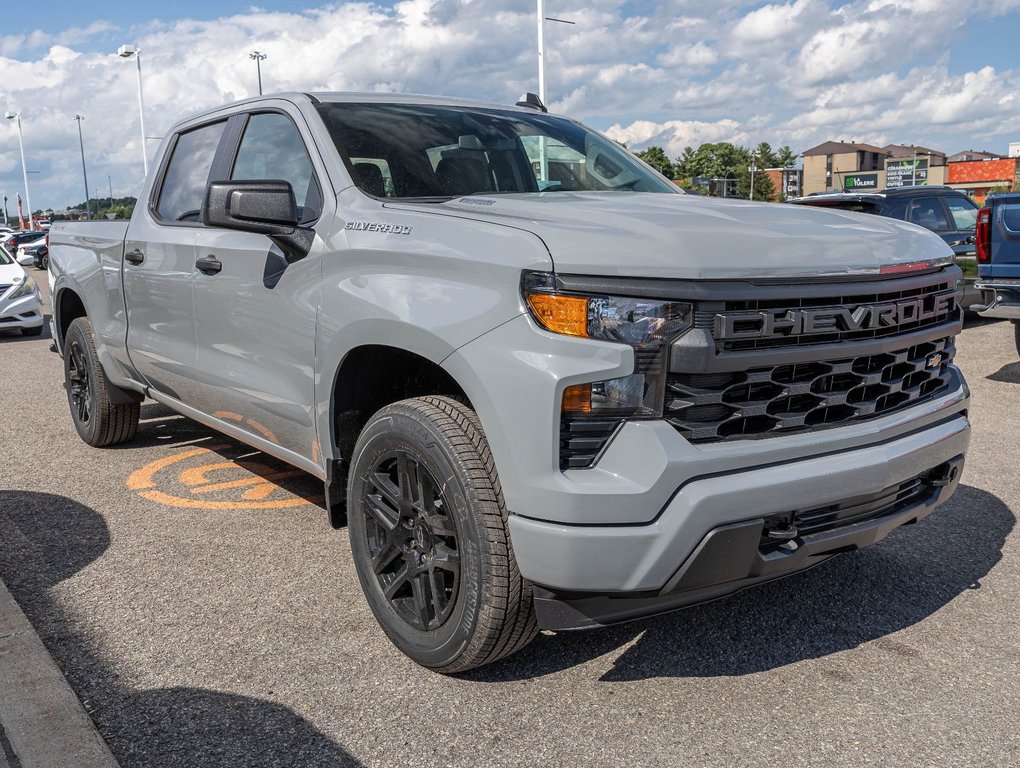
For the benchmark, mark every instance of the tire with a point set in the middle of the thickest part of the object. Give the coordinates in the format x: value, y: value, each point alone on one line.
x: 425, y: 506
x: 37, y: 331
x: 1016, y: 335
x: 99, y: 422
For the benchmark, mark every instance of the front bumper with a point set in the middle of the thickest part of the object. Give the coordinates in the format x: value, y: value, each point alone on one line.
x: 23, y: 312
x: 645, y: 557
x: 1001, y: 299
x: 735, y: 556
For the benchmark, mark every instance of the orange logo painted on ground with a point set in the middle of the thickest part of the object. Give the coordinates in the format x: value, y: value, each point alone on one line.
x: 207, y: 478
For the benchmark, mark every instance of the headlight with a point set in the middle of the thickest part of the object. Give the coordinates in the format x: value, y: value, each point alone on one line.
x: 591, y: 412
x: 24, y: 289
x: 641, y: 323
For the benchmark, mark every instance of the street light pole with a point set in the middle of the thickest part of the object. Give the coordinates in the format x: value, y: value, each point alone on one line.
x: 126, y: 52
x: 110, y: 182
x: 753, y: 158
x: 24, y: 168
x: 84, y: 173
x: 259, y: 58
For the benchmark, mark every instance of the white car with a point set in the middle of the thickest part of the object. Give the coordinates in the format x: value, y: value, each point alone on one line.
x: 20, y: 301
x: 24, y: 257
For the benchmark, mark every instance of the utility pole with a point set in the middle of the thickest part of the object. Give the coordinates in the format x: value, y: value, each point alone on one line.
x: 84, y: 173
x: 259, y: 58
x: 108, y: 181
x: 542, y: 19
x: 754, y: 156
x: 24, y: 169
x: 126, y: 52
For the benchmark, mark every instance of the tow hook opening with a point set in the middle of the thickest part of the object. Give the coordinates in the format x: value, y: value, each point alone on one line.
x: 778, y: 529
x: 942, y: 475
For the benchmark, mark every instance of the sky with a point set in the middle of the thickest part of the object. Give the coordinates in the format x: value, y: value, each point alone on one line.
x: 670, y: 73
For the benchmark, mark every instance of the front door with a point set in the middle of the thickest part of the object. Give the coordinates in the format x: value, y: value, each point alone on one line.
x: 255, y: 314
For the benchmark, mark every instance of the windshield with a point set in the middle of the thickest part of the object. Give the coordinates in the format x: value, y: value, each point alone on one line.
x: 5, y: 257
x: 413, y: 151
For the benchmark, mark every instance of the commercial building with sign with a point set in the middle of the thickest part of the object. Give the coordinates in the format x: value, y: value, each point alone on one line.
x: 840, y: 165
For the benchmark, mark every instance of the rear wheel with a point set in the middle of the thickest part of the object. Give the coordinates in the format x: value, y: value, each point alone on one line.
x: 99, y: 422
x: 1016, y: 335
x: 429, y: 536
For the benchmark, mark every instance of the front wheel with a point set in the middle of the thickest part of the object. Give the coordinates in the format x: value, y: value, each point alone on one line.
x: 99, y: 422
x: 429, y: 536
x: 1016, y: 335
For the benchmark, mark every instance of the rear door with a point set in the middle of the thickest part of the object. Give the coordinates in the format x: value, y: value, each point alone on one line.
x: 159, y: 266
x: 255, y: 317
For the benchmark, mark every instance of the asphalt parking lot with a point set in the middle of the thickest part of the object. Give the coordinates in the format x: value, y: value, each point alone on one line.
x: 206, y: 614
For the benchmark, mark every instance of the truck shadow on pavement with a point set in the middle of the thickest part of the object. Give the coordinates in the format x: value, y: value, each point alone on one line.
x: 1009, y: 373
x: 45, y: 539
x: 847, y: 601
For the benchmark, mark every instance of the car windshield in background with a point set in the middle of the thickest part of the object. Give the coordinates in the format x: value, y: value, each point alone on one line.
x: 409, y: 151
x: 5, y: 257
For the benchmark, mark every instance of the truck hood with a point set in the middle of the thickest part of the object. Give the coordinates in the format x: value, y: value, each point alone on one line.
x: 692, y: 237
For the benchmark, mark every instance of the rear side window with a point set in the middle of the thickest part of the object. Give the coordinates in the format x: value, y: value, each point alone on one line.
x: 962, y: 211
x: 927, y: 211
x: 272, y: 149
x: 187, y: 174
x: 1011, y: 216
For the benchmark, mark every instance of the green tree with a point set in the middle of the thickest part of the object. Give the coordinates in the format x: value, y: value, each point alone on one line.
x: 764, y: 190
x: 766, y: 157
x: 785, y: 158
x: 684, y: 165
x: 713, y: 160
x: 657, y: 158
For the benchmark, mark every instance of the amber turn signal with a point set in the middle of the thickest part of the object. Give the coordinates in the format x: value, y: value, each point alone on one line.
x: 561, y: 314
x: 577, y: 399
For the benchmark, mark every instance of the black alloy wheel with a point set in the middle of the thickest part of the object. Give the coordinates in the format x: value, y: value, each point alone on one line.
x: 79, y: 383
x: 102, y: 414
x: 428, y: 531
x: 412, y: 541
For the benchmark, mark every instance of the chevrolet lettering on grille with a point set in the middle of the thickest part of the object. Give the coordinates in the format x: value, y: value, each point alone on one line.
x: 766, y: 324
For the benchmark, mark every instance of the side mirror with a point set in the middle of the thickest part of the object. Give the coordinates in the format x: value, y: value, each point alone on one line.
x: 261, y: 207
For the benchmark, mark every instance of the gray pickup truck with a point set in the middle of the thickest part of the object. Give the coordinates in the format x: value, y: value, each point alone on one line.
x: 543, y: 387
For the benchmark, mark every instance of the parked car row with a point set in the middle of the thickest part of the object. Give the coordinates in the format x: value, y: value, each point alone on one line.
x: 20, y: 301
x: 30, y: 247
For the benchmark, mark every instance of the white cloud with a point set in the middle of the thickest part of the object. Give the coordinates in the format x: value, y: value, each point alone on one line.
x: 672, y: 73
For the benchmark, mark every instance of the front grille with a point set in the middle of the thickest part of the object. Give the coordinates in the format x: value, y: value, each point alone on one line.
x: 780, y: 399
x: 934, y: 312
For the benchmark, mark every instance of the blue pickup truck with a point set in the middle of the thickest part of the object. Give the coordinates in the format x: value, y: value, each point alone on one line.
x: 998, y: 257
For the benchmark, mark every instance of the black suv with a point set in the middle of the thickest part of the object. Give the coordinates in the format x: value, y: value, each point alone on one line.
x: 947, y: 212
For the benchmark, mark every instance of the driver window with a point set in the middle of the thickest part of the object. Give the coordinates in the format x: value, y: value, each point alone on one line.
x: 272, y: 148
x: 187, y: 174
x: 927, y: 211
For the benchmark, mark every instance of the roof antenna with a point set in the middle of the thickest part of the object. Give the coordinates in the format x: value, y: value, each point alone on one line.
x: 531, y: 101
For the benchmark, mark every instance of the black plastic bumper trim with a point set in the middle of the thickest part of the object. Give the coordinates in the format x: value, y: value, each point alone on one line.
x: 729, y: 560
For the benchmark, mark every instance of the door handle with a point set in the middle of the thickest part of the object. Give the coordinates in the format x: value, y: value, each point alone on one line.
x: 135, y: 257
x: 209, y: 265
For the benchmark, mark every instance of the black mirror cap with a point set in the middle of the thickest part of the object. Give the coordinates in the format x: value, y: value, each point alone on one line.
x: 263, y: 207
